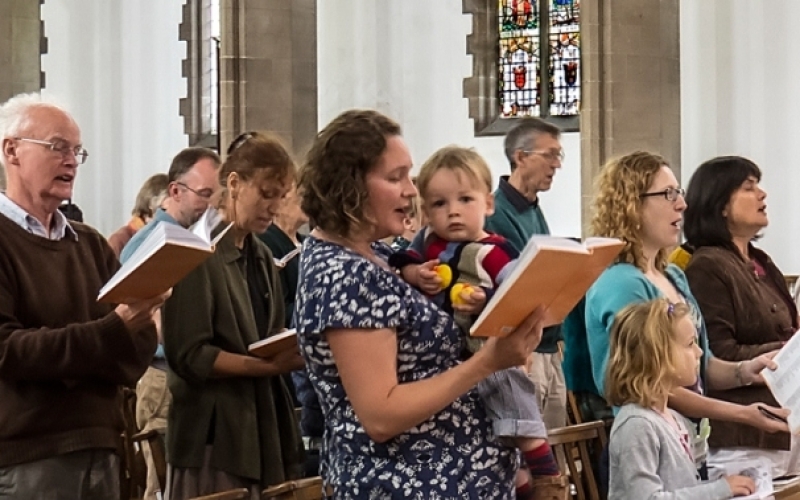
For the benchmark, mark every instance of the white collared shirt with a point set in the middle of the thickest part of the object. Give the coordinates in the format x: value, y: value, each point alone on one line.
x: 26, y: 221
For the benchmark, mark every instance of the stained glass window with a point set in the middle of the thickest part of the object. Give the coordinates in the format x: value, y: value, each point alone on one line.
x: 525, y: 27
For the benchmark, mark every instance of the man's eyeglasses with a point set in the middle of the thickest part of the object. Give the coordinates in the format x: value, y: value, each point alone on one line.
x: 548, y: 155
x: 203, y: 193
x: 61, y: 147
x: 671, y: 194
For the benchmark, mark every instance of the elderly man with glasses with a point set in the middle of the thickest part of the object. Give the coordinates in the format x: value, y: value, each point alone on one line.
x: 533, y: 149
x: 63, y: 355
x: 193, y: 179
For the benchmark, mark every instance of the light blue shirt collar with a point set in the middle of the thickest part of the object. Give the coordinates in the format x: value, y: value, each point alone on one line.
x: 61, y: 225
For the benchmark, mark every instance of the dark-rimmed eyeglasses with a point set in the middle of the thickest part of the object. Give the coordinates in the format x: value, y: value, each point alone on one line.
x: 671, y: 194
x: 206, y: 193
x: 548, y: 155
x: 61, y: 147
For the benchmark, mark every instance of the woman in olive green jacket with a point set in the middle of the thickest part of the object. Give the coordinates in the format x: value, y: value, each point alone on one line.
x: 232, y: 421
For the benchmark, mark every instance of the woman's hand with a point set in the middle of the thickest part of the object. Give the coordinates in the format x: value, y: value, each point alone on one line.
x: 751, y: 369
x: 288, y: 361
x: 757, y: 418
x: 514, y: 349
x: 741, y: 486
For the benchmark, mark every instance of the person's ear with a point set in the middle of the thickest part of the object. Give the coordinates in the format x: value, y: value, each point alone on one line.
x: 490, y: 204
x: 519, y: 155
x: 173, y: 189
x: 234, y: 183
x: 10, y: 151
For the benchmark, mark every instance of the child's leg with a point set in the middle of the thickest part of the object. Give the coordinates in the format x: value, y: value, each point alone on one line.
x: 523, y: 485
x: 538, y: 456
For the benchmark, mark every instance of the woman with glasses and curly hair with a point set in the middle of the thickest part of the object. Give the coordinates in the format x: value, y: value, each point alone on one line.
x: 742, y: 294
x: 640, y: 201
x: 232, y: 422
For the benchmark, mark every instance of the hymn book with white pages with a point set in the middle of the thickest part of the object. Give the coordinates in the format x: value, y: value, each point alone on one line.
x: 165, y: 256
x: 274, y: 344
x: 785, y: 381
x: 551, y: 272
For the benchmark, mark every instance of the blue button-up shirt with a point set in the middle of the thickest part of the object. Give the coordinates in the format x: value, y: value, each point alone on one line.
x: 60, y: 224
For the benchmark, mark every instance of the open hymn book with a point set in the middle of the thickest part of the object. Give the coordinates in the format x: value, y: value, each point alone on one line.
x: 551, y: 272
x: 168, y: 254
x: 785, y: 381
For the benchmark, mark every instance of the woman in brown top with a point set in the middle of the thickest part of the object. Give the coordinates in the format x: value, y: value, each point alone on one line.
x: 745, y: 303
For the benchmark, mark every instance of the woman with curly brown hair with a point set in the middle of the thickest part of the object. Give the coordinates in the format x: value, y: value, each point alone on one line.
x: 402, y: 419
x: 640, y: 201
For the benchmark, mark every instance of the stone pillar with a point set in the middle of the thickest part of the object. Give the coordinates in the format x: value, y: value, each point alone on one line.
x: 630, y: 84
x: 21, y: 44
x: 268, y: 70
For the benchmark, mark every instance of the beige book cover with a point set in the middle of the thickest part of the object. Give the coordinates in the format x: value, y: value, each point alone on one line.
x: 274, y: 344
x: 168, y: 254
x: 552, y: 272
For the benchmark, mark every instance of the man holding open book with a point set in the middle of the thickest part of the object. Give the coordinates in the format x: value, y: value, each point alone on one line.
x: 192, y: 182
x: 533, y: 149
x: 63, y: 355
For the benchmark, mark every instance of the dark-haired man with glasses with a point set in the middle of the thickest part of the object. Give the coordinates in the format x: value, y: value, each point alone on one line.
x: 193, y: 179
x: 63, y: 355
x: 533, y: 149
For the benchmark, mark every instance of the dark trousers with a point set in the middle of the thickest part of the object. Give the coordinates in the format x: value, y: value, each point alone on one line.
x: 81, y: 475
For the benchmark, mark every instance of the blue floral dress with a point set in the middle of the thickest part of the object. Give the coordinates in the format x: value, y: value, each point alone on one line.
x: 451, y: 455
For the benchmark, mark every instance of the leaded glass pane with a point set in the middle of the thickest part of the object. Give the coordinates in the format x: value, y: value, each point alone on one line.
x: 519, y: 58
x: 565, y: 78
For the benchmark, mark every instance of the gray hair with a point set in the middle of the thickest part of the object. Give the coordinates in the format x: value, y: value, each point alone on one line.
x: 15, y: 116
x: 524, y: 135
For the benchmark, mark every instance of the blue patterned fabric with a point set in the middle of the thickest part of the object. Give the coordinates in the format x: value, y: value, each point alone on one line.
x: 451, y: 455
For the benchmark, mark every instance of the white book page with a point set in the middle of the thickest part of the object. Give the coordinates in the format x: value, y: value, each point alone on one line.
x: 206, y: 224
x: 281, y: 263
x: 759, y: 472
x: 785, y: 381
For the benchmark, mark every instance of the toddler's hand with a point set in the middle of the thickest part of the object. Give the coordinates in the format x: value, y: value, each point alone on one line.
x: 429, y: 280
x: 467, y: 299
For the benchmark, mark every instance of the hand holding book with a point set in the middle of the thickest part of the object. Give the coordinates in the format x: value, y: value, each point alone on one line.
x: 274, y: 345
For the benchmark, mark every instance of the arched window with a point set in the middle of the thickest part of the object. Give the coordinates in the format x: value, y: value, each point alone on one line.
x: 526, y: 62
x: 525, y: 26
x: 200, y: 30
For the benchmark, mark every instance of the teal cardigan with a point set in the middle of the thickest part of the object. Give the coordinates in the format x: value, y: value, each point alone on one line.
x: 587, y: 329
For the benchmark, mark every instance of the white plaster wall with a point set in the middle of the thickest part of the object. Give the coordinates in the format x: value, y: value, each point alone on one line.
x: 117, y: 67
x: 408, y: 59
x: 739, y: 75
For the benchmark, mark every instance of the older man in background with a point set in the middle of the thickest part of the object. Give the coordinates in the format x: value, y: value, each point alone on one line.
x: 533, y: 149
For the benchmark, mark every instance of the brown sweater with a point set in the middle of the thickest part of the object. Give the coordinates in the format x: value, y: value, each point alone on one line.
x: 745, y: 316
x: 63, y: 355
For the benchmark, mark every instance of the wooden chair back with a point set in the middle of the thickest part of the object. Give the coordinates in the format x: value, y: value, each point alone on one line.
x: 578, y: 449
x: 133, y: 470
x: 238, y: 494
x: 302, y: 489
x: 156, y: 443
